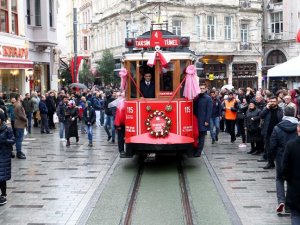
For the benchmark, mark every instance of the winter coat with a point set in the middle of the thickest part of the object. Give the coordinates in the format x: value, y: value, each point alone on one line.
x: 202, y: 109
x: 108, y: 111
x: 7, y: 140
x: 253, y: 126
x: 285, y: 131
x: 28, y: 105
x: 242, y: 109
x: 10, y: 112
x: 21, y: 119
x: 291, y: 168
x: 216, y: 108
x: 266, y: 116
x: 71, y: 128
x: 50, y: 104
x: 89, y: 115
x: 61, y: 111
x: 96, y: 102
x: 43, y: 107
x: 36, y: 102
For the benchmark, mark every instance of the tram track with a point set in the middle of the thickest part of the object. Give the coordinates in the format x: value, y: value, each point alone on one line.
x: 184, y: 192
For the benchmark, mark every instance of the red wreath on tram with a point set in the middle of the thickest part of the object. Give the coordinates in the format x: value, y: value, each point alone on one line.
x: 158, y: 124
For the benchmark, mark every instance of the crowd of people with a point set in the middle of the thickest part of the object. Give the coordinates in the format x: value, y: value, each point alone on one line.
x: 265, y: 120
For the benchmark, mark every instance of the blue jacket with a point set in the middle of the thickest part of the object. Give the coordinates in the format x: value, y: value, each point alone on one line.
x: 43, y: 107
x: 11, y: 112
x: 202, y: 109
x: 7, y: 140
x: 216, y: 108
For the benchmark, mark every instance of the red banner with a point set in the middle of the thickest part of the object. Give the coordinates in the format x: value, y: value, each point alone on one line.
x: 79, y: 58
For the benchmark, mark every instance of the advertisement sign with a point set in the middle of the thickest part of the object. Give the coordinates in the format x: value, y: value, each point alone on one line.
x: 186, y: 120
x: 131, y: 126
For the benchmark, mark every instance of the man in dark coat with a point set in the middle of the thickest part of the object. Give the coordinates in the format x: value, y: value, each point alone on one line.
x: 50, y: 102
x: 272, y: 114
x: 147, y: 86
x: 283, y: 132
x: 202, y: 109
x: 109, y: 117
x: 7, y: 140
x: 28, y: 107
x: 44, y: 115
x: 215, y: 116
x: 71, y: 116
x: 291, y: 168
x: 89, y: 117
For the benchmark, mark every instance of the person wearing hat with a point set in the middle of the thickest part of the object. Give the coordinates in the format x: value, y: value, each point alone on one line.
x: 89, y: 118
x: 71, y: 128
x: 7, y: 140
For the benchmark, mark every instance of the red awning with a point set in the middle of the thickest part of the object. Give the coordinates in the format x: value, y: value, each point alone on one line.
x: 15, y: 63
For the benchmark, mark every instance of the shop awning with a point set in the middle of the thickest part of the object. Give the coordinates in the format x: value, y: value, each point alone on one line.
x: 289, y: 68
x: 15, y: 63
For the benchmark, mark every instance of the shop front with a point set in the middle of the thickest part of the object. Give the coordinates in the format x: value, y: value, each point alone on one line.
x: 244, y: 75
x: 15, y: 68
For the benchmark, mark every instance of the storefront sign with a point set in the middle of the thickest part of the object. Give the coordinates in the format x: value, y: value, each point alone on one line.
x: 13, y: 52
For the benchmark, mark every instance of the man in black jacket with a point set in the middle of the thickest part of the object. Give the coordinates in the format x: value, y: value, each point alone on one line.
x: 272, y: 114
x: 28, y: 107
x: 291, y: 168
x: 215, y: 116
x: 283, y: 132
x: 147, y: 86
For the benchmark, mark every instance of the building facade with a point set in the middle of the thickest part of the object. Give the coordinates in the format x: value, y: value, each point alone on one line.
x: 281, y: 23
x: 41, y: 33
x: 15, y: 63
x: 226, y: 35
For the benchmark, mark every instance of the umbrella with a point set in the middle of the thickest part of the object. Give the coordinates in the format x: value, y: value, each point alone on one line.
x: 115, y: 102
x: 228, y: 87
x: 78, y: 85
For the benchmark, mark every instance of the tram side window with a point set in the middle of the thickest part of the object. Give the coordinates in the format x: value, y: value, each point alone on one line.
x: 132, y: 85
x: 166, y: 78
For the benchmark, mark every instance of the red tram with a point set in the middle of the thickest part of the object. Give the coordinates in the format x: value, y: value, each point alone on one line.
x: 164, y: 123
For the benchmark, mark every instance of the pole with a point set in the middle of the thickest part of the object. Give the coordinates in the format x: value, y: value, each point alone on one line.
x: 75, y: 42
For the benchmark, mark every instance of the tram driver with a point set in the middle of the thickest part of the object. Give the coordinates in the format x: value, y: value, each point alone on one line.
x: 147, y: 86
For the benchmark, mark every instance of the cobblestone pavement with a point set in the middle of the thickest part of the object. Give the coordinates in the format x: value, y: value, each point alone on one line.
x: 54, y: 184
x: 251, y: 189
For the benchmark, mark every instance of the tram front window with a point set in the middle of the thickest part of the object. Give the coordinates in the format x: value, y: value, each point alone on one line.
x: 166, y: 78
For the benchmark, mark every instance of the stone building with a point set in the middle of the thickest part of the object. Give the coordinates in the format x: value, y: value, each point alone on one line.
x: 281, y: 23
x: 226, y: 35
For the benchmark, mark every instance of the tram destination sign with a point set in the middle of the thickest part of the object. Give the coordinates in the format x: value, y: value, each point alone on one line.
x: 157, y: 39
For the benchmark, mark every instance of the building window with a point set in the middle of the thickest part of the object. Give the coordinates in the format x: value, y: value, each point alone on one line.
x: 277, y: 1
x: 244, y: 70
x: 14, y: 16
x: 28, y: 16
x: 177, y: 25
x: 51, y: 13
x: 37, y: 7
x: 3, y: 16
x: 198, y: 26
x: 276, y: 57
x: 228, y: 27
x: 277, y: 22
x: 85, y: 43
x: 211, y: 27
x: 244, y: 33
x: 217, y: 70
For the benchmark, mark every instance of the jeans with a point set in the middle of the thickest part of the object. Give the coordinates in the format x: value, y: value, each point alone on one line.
x: 279, y: 182
x: 109, y: 122
x: 61, y: 129
x: 29, y: 118
x: 19, y: 139
x: 82, y: 126
x: 214, y: 123
x: 89, y: 129
x: 295, y: 216
x: 97, y: 117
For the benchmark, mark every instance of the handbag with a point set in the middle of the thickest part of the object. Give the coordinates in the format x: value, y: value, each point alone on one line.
x: 55, y: 118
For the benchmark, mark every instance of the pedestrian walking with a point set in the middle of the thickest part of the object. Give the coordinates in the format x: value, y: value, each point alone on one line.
x: 89, y: 118
x: 291, y: 168
x: 230, y: 106
x: 36, y: 100
x: 50, y: 103
x: 97, y: 107
x: 202, y: 110
x: 242, y: 108
x: 120, y: 127
x: 81, y: 107
x: 20, y: 124
x: 61, y: 114
x: 28, y: 107
x: 215, y: 116
x: 7, y: 140
x: 283, y: 132
x: 109, y: 117
x: 71, y: 116
x: 272, y: 114
x: 44, y: 116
